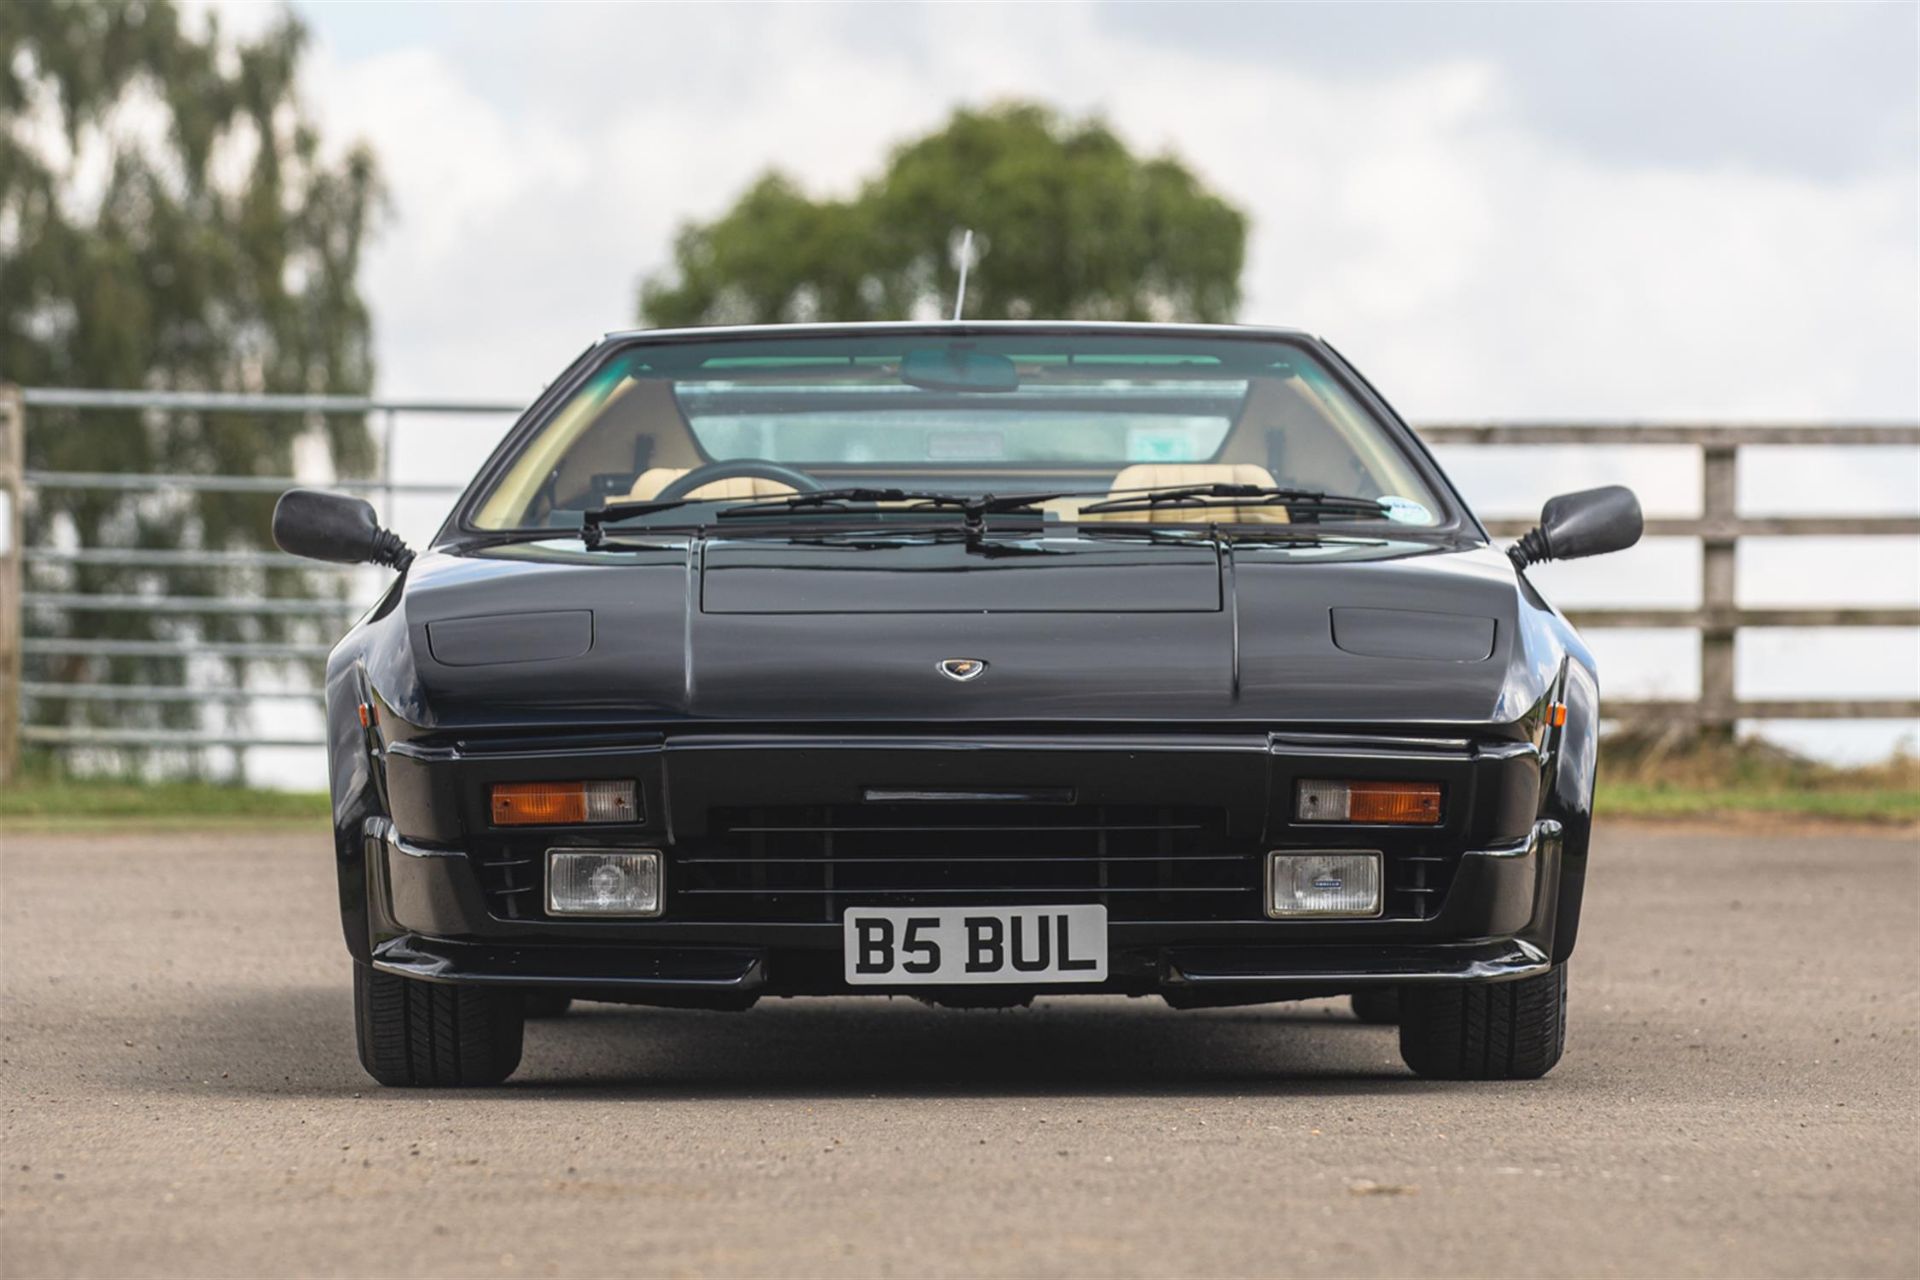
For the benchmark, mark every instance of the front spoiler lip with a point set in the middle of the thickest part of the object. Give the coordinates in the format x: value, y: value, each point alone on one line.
x: 1495, y: 961
x: 629, y: 971
x: 716, y: 969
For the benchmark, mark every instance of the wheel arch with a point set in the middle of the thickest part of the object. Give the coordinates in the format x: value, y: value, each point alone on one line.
x: 1567, y: 798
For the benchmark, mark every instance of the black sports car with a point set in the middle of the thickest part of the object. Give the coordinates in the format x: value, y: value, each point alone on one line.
x: 966, y: 661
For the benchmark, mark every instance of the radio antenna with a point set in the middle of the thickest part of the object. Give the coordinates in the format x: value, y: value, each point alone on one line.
x: 964, y: 258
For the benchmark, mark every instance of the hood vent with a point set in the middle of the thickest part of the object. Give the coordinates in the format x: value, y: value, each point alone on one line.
x: 950, y: 576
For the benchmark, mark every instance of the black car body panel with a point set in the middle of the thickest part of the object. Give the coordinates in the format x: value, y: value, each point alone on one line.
x: 1168, y: 690
x: 1074, y: 628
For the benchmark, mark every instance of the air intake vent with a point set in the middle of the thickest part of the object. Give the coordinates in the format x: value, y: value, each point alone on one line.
x: 808, y: 863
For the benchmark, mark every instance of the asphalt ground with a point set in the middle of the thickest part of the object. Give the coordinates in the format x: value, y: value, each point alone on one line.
x: 1739, y: 1098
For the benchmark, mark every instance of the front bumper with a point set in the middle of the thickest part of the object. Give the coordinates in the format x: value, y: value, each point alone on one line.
x: 1487, y: 930
x: 769, y: 836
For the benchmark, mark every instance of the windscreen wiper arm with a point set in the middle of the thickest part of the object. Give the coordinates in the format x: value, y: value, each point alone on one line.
x: 1241, y: 495
x: 591, y: 522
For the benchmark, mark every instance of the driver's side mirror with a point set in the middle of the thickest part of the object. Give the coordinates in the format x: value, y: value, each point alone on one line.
x: 1589, y: 523
x: 335, y: 527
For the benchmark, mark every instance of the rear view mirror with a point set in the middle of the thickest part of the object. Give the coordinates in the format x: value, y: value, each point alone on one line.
x: 958, y: 368
x: 1589, y: 523
x: 335, y: 527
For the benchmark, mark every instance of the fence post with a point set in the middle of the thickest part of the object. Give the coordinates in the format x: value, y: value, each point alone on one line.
x: 388, y: 431
x: 1719, y: 508
x: 13, y: 448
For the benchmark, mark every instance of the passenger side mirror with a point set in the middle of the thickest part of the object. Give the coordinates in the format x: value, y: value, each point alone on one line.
x: 335, y: 527
x: 1589, y: 523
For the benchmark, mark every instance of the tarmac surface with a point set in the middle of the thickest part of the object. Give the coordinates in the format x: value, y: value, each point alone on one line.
x: 1739, y: 1097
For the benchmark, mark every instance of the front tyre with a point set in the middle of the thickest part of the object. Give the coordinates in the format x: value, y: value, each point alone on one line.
x: 1485, y: 1031
x: 429, y: 1033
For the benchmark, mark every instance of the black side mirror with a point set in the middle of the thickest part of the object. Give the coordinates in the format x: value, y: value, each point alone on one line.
x: 332, y: 526
x: 1589, y: 523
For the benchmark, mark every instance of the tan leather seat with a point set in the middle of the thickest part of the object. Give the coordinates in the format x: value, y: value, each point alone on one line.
x: 1155, y: 475
x: 650, y: 482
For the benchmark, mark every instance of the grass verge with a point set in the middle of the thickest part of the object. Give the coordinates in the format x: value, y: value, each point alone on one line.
x: 1671, y: 774
x: 63, y: 803
x: 1892, y: 806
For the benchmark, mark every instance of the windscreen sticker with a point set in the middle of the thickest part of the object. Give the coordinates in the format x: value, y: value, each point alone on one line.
x: 1406, y: 510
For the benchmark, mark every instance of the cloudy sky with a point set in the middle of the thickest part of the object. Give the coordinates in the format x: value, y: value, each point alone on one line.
x: 1560, y: 210
x: 1566, y: 211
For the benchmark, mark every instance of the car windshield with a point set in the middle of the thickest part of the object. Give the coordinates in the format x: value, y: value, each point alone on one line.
x: 1099, y: 417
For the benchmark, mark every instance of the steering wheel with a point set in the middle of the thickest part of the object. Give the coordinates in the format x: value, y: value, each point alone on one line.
x: 739, y: 468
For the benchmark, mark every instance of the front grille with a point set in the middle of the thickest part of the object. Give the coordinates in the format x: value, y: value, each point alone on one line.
x: 808, y: 863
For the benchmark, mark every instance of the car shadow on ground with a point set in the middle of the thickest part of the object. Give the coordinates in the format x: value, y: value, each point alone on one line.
x: 299, y: 1042
x: 869, y: 1048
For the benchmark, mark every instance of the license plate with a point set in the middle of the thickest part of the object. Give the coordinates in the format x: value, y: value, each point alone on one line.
x: 948, y: 946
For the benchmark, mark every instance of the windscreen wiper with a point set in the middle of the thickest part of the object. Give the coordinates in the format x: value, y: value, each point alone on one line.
x: 975, y: 508
x: 1243, y: 495
x: 837, y: 498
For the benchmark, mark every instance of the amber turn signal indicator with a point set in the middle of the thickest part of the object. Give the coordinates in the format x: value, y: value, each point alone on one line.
x: 1398, y: 804
x: 560, y: 804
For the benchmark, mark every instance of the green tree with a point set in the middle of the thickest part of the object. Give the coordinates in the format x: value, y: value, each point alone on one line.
x: 169, y: 221
x: 1069, y: 224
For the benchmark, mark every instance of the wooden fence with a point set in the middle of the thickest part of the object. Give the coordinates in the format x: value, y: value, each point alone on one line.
x: 1718, y: 618
x: 1720, y: 526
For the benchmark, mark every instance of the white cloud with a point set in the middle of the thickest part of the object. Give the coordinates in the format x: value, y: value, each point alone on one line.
x: 1415, y: 217
x: 453, y: 166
